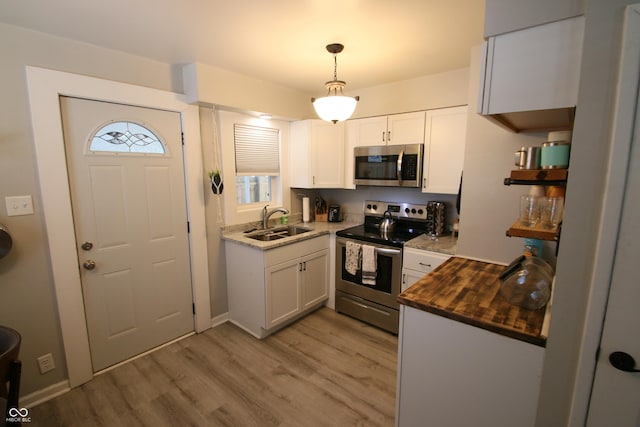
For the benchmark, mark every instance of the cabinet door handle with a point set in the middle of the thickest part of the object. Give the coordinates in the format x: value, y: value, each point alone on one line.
x: 383, y: 135
x: 299, y: 266
x: 304, y: 266
x: 404, y: 279
x: 389, y: 136
x: 424, y: 265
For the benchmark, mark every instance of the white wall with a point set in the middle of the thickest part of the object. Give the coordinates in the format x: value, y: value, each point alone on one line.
x: 214, y: 211
x: 214, y: 86
x: 441, y: 90
x: 488, y: 207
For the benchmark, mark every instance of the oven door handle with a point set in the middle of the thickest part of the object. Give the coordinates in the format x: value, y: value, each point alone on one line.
x: 385, y: 251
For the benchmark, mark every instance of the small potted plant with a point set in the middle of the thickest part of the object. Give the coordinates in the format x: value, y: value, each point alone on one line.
x: 216, y: 182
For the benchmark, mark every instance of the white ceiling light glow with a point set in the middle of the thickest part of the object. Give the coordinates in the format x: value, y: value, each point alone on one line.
x: 335, y: 107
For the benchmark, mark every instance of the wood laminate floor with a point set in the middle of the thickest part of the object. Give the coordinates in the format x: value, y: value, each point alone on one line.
x: 324, y: 370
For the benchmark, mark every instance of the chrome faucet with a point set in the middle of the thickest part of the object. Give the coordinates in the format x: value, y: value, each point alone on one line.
x: 266, y: 214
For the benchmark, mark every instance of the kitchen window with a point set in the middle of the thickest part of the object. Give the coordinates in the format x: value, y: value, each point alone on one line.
x: 243, y: 141
x: 257, y: 157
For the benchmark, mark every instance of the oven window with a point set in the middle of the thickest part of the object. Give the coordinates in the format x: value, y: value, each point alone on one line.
x: 383, y: 270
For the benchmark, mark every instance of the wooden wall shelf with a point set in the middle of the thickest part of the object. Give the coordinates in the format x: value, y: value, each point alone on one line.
x: 537, y: 177
x: 537, y: 232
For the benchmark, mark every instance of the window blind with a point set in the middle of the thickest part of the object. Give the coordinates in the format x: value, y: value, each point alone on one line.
x: 257, y: 150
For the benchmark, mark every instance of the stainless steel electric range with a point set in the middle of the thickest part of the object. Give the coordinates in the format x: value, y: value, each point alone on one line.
x: 374, y: 301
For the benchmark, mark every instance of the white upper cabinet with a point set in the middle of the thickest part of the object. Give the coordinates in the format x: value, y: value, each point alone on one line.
x: 530, y: 77
x: 395, y: 129
x: 316, y: 154
x: 407, y: 128
x: 367, y: 132
x: 445, y: 137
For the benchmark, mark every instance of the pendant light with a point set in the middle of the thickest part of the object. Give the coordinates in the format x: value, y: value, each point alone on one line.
x: 335, y: 107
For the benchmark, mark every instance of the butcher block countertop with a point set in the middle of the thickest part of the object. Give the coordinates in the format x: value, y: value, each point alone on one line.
x: 468, y: 291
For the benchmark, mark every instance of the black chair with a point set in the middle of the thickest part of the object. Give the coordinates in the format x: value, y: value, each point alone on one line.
x: 10, y: 367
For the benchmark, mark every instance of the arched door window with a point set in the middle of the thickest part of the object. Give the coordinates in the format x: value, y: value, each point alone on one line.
x: 126, y: 137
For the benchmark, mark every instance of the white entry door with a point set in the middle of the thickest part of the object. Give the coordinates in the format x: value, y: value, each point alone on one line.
x: 128, y: 197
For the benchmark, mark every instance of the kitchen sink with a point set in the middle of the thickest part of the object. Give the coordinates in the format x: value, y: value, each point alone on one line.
x: 278, y: 233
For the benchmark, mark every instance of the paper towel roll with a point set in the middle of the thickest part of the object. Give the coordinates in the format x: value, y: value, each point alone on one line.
x: 305, y: 209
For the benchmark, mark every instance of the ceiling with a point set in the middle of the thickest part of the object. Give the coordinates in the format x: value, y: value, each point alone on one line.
x: 281, y: 41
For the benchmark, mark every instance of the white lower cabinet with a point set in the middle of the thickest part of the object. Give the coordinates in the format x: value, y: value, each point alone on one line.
x: 454, y: 374
x: 295, y: 286
x: 416, y: 263
x: 269, y: 288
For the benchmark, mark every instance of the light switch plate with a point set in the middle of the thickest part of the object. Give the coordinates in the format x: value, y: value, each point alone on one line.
x: 19, y: 205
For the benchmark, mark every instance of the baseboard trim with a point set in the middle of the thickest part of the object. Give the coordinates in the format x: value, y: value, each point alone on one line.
x: 45, y: 394
x: 220, y: 319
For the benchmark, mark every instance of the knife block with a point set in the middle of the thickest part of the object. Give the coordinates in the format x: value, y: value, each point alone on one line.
x: 322, y: 217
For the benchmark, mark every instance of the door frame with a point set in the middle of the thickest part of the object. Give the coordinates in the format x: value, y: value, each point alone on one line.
x: 45, y: 87
x: 620, y: 147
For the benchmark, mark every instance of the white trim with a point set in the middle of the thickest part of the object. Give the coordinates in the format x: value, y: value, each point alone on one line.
x: 220, y: 319
x: 621, y: 140
x: 45, y: 88
x: 45, y: 394
x: 138, y: 356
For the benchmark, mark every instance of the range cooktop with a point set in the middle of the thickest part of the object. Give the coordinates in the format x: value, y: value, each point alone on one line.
x: 411, y: 221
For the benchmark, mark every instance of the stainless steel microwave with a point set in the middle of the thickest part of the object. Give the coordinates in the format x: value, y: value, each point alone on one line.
x: 389, y: 165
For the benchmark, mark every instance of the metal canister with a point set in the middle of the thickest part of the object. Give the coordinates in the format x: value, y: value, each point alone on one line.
x: 555, y: 155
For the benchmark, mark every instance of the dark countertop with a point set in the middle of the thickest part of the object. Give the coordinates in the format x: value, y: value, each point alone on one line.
x: 468, y: 291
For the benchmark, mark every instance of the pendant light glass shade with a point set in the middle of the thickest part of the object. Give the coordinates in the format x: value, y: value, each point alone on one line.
x: 335, y: 107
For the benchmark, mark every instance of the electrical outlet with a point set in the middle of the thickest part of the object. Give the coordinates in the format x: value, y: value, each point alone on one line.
x: 45, y: 363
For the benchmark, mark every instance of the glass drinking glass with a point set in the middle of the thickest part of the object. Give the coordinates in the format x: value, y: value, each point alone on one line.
x: 551, y: 211
x: 529, y: 210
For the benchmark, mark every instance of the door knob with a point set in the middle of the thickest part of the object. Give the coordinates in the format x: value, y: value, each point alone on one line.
x: 87, y: 246
x: 623, y: 361
x: 89, y: 264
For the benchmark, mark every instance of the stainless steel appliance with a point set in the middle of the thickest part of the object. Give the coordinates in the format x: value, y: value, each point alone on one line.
x: 376, y: 303
x: 388, y: 165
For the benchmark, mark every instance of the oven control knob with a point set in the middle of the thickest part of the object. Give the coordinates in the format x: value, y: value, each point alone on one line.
x: 369, y: 206
x: 375, y: 207
x: 413, y: 211
x: 420, y: 212
x: 406, y: 210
